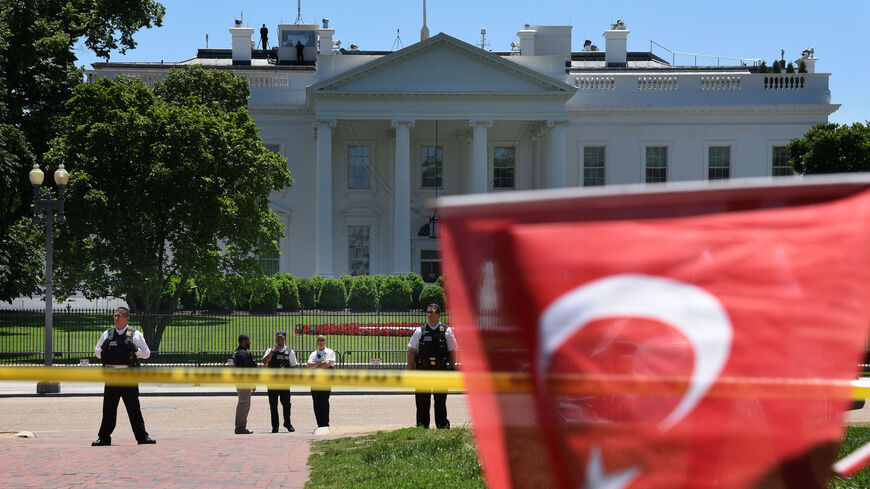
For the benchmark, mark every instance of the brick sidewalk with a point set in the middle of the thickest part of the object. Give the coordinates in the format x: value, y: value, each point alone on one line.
x: 181, y: 458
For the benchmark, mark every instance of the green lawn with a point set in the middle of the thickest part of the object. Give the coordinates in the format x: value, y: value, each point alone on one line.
x: 415, y: 458
x: 412, y: 458
x: 196, y: 333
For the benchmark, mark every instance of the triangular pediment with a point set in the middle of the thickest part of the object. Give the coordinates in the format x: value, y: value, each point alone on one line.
x: 442, y: 64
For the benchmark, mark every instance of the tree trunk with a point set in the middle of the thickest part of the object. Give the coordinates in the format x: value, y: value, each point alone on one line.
x: 153, y: 326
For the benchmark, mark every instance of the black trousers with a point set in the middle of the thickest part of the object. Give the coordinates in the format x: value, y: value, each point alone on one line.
x: 284, y: 395
x: 111, y: 396
x: 422, y: 400
x: 320, y: 399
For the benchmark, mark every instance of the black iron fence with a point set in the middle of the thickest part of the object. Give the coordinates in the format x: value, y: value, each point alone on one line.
x: 377, y: 339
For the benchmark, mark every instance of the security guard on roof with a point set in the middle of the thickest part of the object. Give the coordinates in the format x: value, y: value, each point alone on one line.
x: 432, y: 347
x: 121, y: 347
x: 280, y: 356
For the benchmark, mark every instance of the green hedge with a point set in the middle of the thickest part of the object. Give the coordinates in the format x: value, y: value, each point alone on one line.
x: 331, y: 296
x: 288, y: 292
x: 307, y: 299
x: 363, y: 295
x: 432, y: 294
x: 346, y: 282
x: 264, y: 295
x: 396, y: 294
x: 415, y: 281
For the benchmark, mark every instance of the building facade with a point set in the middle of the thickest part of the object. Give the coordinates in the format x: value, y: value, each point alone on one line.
x: 371, y: 136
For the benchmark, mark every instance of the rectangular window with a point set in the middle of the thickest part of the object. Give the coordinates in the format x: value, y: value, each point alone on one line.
x: 432, y: 160
x: 656, y: 164
x: 430, y: 265
x: 503, y: 164
x: 593, y: 165
x: 269, y: 261
x: 718, y: 162
x: 781, y: 166
x: 358, y: 249
x: 275, y: 148
x: 358, y: 163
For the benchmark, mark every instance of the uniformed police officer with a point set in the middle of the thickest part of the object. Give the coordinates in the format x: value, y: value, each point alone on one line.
x: 280, y: 356
x: 264, y: 37
x: 242, y: 358
x: 432, y: 347
x: 121, y: 347
x: 322, y: 357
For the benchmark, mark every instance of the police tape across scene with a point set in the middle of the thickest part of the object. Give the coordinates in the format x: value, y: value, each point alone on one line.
x: 445, y: 381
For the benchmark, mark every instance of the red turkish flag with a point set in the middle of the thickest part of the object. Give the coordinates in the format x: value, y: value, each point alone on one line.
x: 719, y: 344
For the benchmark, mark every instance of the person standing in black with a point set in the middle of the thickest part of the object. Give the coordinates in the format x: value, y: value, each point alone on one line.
x: 280, y: 356
x: 264, y: 37
x: 242, y: 358
x: 432, y: 347
x: 121, y: 347
x: 300, y: 49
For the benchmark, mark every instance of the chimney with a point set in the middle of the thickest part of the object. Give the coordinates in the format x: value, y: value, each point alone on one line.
x: 808, y: 56
x: 325, y: 33
x: 241, y: 43
x: 615, y: 51
x: 527, y: 40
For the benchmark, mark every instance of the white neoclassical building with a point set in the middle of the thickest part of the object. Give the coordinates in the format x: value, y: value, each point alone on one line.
x: 371, y: 136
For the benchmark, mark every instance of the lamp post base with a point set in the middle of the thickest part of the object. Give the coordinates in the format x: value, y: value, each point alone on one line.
x: 48, y: 388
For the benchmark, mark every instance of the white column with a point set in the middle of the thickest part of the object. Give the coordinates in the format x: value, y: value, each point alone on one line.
x: 555, y: 175
x: 402, y: 202
x: 323, y: 203
x: 478, y: 155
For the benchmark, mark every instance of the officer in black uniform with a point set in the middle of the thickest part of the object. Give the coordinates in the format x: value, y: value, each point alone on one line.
x: 121, y: 347
x: 280, y: 356
x: 264, y: 37
x: 300, y: 50
x: 242, y: 358
x: 432, y: 347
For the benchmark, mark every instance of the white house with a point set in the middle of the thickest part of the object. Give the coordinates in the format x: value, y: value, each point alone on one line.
x: 370, y: 136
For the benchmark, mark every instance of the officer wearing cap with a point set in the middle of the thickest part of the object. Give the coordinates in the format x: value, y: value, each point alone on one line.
x: 280, y: 356
x: 322, y: 357
x: 121, y: 347
x: 242, y: 358
x: 432, y: 347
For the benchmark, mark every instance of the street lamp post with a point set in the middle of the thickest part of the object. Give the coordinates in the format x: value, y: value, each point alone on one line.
x: 44, y: 209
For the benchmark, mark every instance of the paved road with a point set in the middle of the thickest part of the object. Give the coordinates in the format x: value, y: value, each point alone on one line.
x: 195, y: 446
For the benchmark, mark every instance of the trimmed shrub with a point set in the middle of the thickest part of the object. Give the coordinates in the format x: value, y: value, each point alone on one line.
x: 776, y: 68
x: 379, y: 284
x: 440, y: 281
x: 789, y: 68
x: 346, y: 282
x: 288, y: 292
x: 802, y: 67
x: 395, y: 294
x: 316, y: 283
x: 331, y: 296
x: 363, y: 294
x: 216, y: 294
x: 415, y: 281
x: 762, y: 68
x: 432, y: 294
x: 264, y: 294
x: 307, y: 299
x: 240, y: 290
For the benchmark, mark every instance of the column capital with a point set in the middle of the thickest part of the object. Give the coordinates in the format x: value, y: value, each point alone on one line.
x: 538, y: 131
x: 315, y: 126
x: 557, y: 122
x: 407, y: 122
x: 484, y: 122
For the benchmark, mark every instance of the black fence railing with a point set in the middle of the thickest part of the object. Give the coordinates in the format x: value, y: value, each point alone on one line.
x: 377, y: 339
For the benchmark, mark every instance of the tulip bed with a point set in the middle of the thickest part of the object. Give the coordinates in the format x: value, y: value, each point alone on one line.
x: 358, y: 329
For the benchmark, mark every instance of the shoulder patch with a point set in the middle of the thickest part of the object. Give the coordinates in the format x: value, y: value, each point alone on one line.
x: 441, y: 328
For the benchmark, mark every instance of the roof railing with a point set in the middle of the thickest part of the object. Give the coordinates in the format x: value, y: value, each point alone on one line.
x: 743, y: 61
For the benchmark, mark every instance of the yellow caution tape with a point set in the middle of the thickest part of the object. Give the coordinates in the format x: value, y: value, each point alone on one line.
x: 442, y: 381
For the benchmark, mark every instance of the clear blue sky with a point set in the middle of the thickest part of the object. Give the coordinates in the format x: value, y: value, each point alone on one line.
x: 737, y: 28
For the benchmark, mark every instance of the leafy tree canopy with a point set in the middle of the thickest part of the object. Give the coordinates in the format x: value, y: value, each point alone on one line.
x: 169, y: 182
x: 832, y: 148
x: 37, y: 76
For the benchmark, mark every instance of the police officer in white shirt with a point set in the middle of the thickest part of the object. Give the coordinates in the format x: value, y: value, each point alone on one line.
x: 432, y: 347
x: 322, y: 357
x: 121, y: 347
x: 280, y: 356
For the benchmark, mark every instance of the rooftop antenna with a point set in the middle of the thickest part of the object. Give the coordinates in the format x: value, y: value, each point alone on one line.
x: 424, y: 32
x: 298, y: 12
x: 206, y: 41
x: 398, y: 41
x: 483, y: 42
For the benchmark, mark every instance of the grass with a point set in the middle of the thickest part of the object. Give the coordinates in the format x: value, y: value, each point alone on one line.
x: 20, y: 332
x: 412, y: 458
x: 855, y: 437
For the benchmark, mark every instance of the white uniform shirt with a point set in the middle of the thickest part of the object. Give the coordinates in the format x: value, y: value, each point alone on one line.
x: 415, y: 338
x: 327, y: 355
x: 142, y: 350
x: 291, y: 355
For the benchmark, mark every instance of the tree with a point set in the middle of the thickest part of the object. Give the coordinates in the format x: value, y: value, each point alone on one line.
x: 832, y: 148
x: 169, y: 182
x: 37, y: 76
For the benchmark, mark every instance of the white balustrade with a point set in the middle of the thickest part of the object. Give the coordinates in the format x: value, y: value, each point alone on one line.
x: 595, y: 82
x: 787, y: 81
x: 267, y: 80
x: 657, y: 83
x: 721, y: 82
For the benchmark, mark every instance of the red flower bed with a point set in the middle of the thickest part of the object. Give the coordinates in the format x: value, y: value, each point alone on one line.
x: 359, y: 329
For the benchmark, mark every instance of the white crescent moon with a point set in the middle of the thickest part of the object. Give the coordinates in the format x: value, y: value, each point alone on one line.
x: 693, y: 311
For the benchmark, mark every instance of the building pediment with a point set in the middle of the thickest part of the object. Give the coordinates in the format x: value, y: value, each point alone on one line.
x: 441, y: 65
